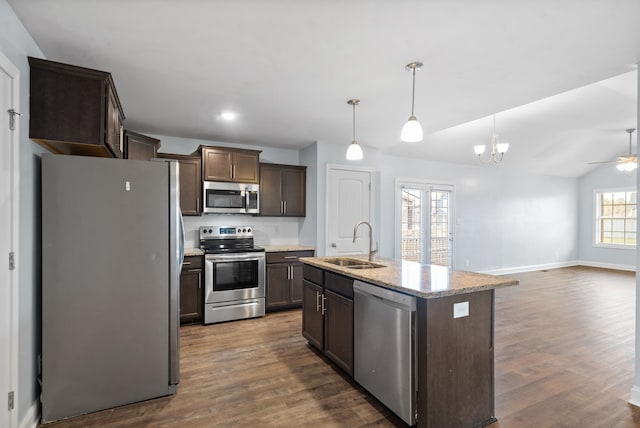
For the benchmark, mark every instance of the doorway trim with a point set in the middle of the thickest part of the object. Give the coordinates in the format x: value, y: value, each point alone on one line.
x: 372, y: 197
x: 14, y: 73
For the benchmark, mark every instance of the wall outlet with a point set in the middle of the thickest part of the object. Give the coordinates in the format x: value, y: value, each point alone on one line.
x: 461, y: 310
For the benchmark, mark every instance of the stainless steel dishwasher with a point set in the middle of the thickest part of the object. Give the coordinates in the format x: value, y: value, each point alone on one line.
x: 384, y: 347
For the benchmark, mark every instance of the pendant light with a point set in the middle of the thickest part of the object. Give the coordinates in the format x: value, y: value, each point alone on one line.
x: 412, y: 131
x: 354, y: 152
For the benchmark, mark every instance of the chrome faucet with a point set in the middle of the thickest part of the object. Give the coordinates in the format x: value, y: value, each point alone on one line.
x: 372, y: 252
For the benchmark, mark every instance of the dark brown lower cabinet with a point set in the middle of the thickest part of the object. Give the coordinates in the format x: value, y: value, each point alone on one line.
x: 327, y: 315
x: 191, y: 306
x: 312, y: 318
x: 284, y: 279
x: 338, y: 330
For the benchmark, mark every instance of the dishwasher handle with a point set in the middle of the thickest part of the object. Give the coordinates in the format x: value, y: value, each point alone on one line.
x: 391, y: 297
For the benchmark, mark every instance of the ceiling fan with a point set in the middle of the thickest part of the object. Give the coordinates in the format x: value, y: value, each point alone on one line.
x: 627, y: 162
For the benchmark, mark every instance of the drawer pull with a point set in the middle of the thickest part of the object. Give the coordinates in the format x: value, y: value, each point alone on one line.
x: 186, y: 263
x: 291, y: 257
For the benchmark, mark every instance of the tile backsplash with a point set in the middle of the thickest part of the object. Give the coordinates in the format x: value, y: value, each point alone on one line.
x: 267, y: 230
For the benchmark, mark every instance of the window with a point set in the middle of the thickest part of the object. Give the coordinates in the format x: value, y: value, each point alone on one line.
x: 425, y: 223
x: 616, y: 214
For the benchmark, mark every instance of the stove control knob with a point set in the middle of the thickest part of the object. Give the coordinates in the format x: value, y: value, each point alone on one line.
x: 244, y: 230
x: 249, y: 230
x: 204, y: 230
x: 239, y: 230
x: 210, y: 231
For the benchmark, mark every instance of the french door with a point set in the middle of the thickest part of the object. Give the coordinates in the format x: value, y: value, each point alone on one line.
x: 425, y: 226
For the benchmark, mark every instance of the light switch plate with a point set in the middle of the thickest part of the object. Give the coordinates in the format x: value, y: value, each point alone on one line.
x: 460, y: 309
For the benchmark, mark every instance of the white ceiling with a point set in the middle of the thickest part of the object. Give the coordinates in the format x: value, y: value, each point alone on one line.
x: 289, y: 66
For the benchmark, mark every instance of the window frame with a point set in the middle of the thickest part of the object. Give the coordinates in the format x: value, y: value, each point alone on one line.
x: 596, y: 218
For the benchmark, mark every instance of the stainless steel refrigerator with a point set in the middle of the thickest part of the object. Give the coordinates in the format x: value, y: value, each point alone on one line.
x: 112, y: 248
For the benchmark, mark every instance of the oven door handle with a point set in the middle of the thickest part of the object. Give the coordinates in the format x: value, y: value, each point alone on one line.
x: 234, y: 257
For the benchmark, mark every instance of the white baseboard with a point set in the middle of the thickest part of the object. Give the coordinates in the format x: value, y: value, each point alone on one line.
x: 530, y: 268
x: 607, y: 265
x: 32, y: 417
x: 635, y: 396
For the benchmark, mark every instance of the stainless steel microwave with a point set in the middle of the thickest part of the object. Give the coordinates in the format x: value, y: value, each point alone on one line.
x: 230, y: 198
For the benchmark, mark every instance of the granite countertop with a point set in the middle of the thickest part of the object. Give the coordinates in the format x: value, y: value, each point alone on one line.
x: 289, y: 247
x: 426, y: 281
x: 193, y: 252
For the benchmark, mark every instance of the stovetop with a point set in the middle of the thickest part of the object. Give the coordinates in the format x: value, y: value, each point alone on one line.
x: 227, y: 239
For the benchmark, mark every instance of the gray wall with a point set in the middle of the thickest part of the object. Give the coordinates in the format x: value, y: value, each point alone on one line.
x: 505, y: 220
x: 16, y: 44
x: 604, y: 177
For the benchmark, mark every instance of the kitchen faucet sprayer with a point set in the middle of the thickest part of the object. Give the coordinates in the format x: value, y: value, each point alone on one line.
x: 372, y: 252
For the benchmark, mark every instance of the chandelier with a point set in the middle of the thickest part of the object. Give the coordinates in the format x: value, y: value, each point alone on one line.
x: 498, y: 149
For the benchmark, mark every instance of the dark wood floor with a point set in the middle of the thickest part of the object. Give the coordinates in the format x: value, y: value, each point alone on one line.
x: 564, y: 357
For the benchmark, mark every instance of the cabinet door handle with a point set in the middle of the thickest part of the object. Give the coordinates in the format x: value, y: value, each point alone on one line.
x: 197, y: 204
x: 231, y: 170
x: 284, y: 211
x: 281, y: 207
x: 324, y: 309
x: 317, y: 301
x: 291, y: 267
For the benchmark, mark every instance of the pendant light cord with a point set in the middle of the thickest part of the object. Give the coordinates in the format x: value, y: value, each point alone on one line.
x: 413, y: 91
x: 354, y: 121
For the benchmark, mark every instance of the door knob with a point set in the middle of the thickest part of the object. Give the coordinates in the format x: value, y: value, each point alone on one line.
x: 333, y: 245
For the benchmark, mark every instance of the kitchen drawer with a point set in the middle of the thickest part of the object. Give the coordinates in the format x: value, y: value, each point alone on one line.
x: 339, y: 284
x: 192, y: 262
x: 313, y: 274
x: 287, y: 256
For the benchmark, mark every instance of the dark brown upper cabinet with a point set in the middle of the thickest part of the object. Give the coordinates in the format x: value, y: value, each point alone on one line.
x: 227, y: 164
x: 283, y: 190
x: 74, y: 110
x: 139, y: 147
x: 190, y: 182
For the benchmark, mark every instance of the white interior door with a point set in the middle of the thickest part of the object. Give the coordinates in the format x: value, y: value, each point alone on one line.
x: 348, y: 203
x: 8, y: 240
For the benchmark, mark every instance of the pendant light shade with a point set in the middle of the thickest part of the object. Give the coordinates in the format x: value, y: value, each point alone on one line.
x: 412, y: 130
x: 354, y: 152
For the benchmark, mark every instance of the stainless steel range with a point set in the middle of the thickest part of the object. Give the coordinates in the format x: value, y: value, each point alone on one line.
x: 234, y: 274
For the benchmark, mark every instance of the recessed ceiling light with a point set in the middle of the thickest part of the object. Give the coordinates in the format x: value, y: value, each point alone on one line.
x: 228, y: 115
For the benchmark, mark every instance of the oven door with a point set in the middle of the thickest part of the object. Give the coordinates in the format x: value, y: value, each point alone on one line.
x: 234, y: 277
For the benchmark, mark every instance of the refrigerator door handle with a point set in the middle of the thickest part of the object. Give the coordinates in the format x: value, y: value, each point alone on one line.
x: 181, y: 239
x: 176, y: 245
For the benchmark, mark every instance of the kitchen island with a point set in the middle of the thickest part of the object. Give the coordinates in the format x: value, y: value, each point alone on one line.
x: 452, y: 330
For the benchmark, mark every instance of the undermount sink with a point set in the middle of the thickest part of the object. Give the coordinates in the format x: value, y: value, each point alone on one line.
x: 352, y: 263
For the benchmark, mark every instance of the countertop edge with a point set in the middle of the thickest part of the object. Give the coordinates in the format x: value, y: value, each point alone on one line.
x: 486, y: 282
